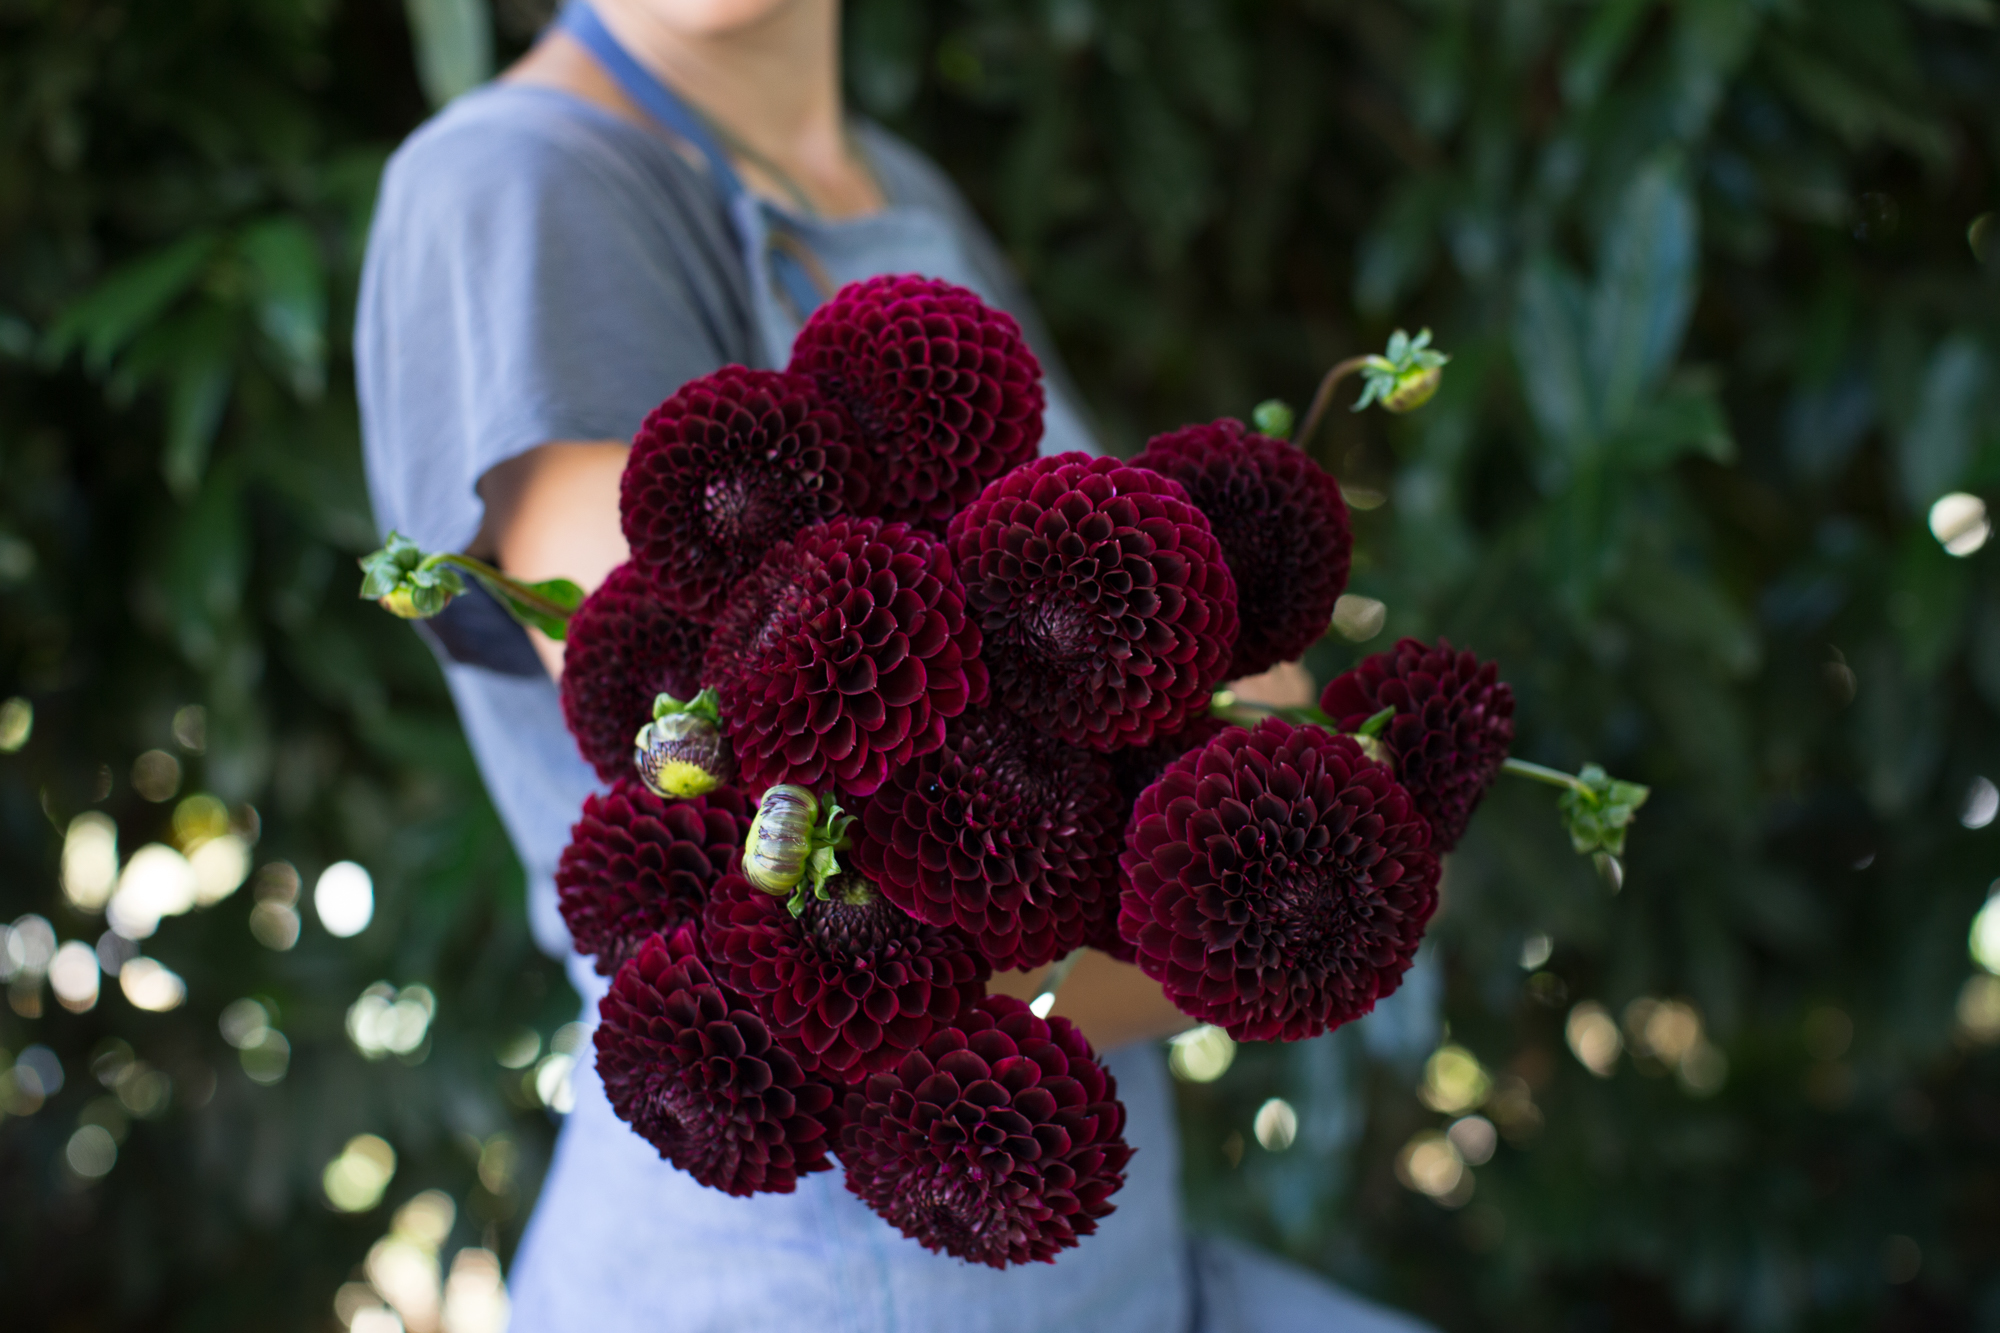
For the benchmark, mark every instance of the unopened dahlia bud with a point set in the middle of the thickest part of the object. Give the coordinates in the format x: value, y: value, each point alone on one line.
x: 682, y: 751
x: 780, y: 841
x: 1405, y: 377
x: 400, y: 580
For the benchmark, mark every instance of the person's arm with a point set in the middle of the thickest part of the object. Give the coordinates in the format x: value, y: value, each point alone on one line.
x: 553, y: 513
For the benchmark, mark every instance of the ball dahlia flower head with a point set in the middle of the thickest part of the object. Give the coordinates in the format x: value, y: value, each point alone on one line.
x: 1106, y: 606
x: 842, y: 655
x: 1452, y: 727
x: 944, y: 392
x: 1277, y: 881
x: 638, y: 864
x: 694, y: 1070
x: 851, y: 983
x: 624, y: 649
x: 1000, y: 1141
x: 1281, y: 523
x: 1004, y: 832
x: 732, y: 464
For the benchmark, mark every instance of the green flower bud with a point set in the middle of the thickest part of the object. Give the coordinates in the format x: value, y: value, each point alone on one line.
x: 1405, y: 377
x: 683, y: 755
x: 1413, y: 389
x: 780, y: 841
x: 682, y: 751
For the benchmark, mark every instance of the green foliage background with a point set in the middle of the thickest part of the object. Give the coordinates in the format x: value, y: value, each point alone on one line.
x: 1720, y: 339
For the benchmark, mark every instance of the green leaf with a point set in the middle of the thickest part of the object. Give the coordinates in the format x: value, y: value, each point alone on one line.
x: 453, y: 40
x: 112, y: 313
x: 1685, y: 418
x: 1856, y: 112
x: 1933, y: 454
x: 1548, y: 349
x: 1645, y: 290
x: 1599, y: 821
x: 198, y: 387
x: 1613, y: 26
x: 290, y: 285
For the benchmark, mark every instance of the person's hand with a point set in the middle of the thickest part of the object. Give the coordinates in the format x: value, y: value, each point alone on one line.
x: 1113, y: 1003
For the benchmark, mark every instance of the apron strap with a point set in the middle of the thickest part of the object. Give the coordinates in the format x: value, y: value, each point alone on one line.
x: 796, y: 279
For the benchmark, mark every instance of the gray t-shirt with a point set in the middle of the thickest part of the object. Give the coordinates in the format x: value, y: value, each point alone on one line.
x: 542, y: 270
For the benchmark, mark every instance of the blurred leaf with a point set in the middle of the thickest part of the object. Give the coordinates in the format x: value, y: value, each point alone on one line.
x: 454, y: 45
x: 1549, y: 349
x: 1603, y: 42
x: 291, y: 297
x: 198, y: 393
x: 1933, y: 453
x: 1686, y: 418
x: 107, y: 317
x: 1645, y: 290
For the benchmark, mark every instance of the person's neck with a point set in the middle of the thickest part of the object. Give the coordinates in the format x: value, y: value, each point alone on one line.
x: 773, y: 86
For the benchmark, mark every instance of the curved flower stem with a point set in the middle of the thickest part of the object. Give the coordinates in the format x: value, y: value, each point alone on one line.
x: 498, y: 582
x: 1323, y: 397
x: 1045, y: 997
x: 1521, y: 768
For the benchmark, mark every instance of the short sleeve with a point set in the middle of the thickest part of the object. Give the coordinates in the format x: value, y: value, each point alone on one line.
x: 537, y: 271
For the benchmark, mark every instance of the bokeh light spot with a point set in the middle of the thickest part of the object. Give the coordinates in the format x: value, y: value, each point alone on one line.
x: 1201, y: 1055
x: 1276, y: 1125
x: 355, y: 1180
x: 1593, y: 1038
x: 344, y: 897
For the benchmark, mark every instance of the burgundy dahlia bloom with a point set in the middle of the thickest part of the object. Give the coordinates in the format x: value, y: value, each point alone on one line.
x: 1283, y: 528
x: 694, y: 1071
x: 851, y: 984
x: 1277, y: 882
x: 843, y: 654
x: 999, y: 1142
x: 1454, y: 722
x: 625, y: 648
x: 942, y: 387
x: 638, y: 863
x: 1108, y: 612
x: 1006, y: 832
x: 730, y: 464
x: 1134, y: 769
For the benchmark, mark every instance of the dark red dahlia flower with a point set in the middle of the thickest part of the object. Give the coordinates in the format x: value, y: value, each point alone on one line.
x: 1108, y: 613
x: 624, y: 649
x: 1454, y: 721
x: 1277, y: 882
x: 638, y: 863
x: 851, y: 984
x: 694, y: 1071
x: 999, y: 1142
x: 1006, y: 832
x: 943, y: 388
x: 1283, y: 528
x: 733, y: 462
x: 842, y: 654
x: 1133, y: 769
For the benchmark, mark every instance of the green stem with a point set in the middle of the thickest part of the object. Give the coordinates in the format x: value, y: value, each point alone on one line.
x: 1323, y: 398
x: 1052, y: 980
x: 497, y: 581
x: 1521, y: 768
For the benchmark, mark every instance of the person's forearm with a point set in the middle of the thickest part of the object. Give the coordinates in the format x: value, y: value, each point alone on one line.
x: 1112, y: 1002
x: 553, y: 513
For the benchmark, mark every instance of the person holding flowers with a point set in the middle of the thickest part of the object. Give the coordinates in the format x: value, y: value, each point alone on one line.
x: 888, y: 699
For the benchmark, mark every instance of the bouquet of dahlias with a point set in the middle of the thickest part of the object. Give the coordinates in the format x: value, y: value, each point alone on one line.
x: 884, y: 702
